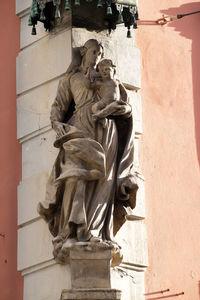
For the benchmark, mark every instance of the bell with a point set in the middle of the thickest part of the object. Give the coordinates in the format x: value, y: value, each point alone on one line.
x: 99, y: 4
x: 30, y: 23
x: 67, y: 5
x: 77, y: 2
x: 57, y: 13
x: 34, y: 8
x: 129, y: 33
x: 109, y: 10
x: 34, y: 30
x: 135, y: 23
x: 42, y: 7
x: 120, y: 18
x: 42, y: 16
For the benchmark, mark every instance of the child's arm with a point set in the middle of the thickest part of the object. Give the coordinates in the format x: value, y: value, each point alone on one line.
x: 123, y: 93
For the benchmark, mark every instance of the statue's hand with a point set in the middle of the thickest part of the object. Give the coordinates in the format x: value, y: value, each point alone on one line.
x: 122, y: 108
x: 60, y: 128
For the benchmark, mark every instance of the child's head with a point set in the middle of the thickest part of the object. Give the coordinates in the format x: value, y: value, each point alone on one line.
x: 106, y: 68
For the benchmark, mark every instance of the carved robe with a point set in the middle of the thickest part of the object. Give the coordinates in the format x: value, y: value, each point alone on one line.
x: 93, y: 170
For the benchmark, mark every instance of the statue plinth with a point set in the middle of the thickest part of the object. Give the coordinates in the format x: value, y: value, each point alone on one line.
x: 94, y: 294
x: 90, y: 269
x: 90, y: 273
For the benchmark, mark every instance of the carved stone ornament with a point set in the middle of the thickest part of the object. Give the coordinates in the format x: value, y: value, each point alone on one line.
x: 92, y: 181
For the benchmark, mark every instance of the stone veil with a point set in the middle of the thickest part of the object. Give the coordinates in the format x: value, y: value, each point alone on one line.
x: 92, y: 181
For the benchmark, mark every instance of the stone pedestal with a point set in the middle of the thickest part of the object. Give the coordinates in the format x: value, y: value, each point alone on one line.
x: 90, y: 274
x: 94, y: 294
x: 90, y: 269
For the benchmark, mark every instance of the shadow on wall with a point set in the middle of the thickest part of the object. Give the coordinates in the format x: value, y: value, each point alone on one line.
x: 189, y: 28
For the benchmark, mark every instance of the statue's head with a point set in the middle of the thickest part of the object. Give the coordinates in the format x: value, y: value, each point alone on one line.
x: 106, y: 68
x: 91, y: 53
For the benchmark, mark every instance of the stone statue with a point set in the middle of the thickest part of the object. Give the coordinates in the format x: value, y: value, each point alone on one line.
x: 92, y: 181
x: 111, y: 91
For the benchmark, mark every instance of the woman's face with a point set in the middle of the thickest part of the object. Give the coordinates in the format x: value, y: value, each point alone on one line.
x: 93, y: 56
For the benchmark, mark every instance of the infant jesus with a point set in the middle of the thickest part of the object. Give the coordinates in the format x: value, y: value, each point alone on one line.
x: 111, y: 92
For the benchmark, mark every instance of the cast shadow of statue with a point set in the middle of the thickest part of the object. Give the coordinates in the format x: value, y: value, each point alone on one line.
x: 188, y: 28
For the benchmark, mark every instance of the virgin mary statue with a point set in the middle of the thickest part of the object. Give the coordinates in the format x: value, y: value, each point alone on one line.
x: 92, y: 181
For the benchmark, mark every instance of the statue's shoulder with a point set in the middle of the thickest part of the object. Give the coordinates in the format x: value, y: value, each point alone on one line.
x: 65, y: 80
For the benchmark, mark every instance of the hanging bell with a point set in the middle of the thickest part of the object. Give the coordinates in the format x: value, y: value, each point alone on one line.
x: 120, y: 18
x: 67, y: 5
x: 77, y: 2
x: 42, y: 16
x: 135, y: 26
x: 30, y: 23
x: 42, y: 7
x: 109, y: 10
x: 99, y: 4
x: 136, y: 13
x: 34, y: 30
x: 57, y: 13
x: 34, y: 9
x: 129, y: 33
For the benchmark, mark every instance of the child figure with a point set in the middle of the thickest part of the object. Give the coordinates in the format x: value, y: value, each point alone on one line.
x: 110, y: 90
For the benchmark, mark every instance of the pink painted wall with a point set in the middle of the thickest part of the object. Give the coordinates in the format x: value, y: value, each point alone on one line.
x: 11, y: 284
x: 170, y: 147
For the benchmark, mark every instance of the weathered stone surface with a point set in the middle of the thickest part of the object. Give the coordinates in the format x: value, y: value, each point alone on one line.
x: 53, y: 52
x: 30, y: 191
x: 129, y: 281
x: 136, y: 153
x: 90, y: 269
x: 22, y: 5
x: 34, y: 245
x: 91, y: 294
x: 117, y: 47
x: 38, y: 154
x: 133, y: 240
x: 47, y: 283
x: 136, y: 103
x: 33, y: 108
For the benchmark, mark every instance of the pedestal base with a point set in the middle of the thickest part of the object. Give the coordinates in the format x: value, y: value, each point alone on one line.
x: 91, y: 294
x: 90, y: 268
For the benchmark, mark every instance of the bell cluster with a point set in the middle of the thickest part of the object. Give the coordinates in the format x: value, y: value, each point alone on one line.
x: 117, y: 12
